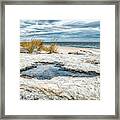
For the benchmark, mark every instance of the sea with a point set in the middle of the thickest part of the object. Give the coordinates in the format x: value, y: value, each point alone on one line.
x: 95, y: 45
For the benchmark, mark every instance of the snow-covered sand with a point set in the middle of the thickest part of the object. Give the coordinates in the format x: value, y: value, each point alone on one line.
x: 63, y: 87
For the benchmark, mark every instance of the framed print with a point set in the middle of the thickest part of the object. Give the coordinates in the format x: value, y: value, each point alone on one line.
x: 60, y: 60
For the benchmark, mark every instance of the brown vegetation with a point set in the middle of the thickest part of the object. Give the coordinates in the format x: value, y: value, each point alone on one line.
x: 52, y: 48
x: 38, y: 45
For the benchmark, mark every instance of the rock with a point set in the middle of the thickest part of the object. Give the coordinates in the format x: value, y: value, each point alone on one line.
x: 76, y: 53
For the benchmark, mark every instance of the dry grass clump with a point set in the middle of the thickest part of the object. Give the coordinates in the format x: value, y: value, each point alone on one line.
x: 45, y: 48
x: 50, y: 49
x: 53, y: 48
x: 33, y: 45
x: 37, y: 45
x: 27, y: 46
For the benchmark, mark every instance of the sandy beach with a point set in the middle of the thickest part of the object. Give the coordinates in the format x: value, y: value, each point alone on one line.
x: 80, y: 61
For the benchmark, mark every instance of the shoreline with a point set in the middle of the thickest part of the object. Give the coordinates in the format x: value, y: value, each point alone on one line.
x: 75, y: 49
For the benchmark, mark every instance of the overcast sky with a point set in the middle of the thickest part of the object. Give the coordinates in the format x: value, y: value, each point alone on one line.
x: 62, y: 30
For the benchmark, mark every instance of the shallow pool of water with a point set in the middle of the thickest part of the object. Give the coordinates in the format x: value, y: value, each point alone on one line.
x: 49, y: 71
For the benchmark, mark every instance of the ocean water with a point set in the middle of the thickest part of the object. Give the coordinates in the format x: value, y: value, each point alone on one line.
x: 95, y: 45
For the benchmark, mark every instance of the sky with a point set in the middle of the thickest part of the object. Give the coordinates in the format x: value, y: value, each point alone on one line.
x: 60, y: 30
